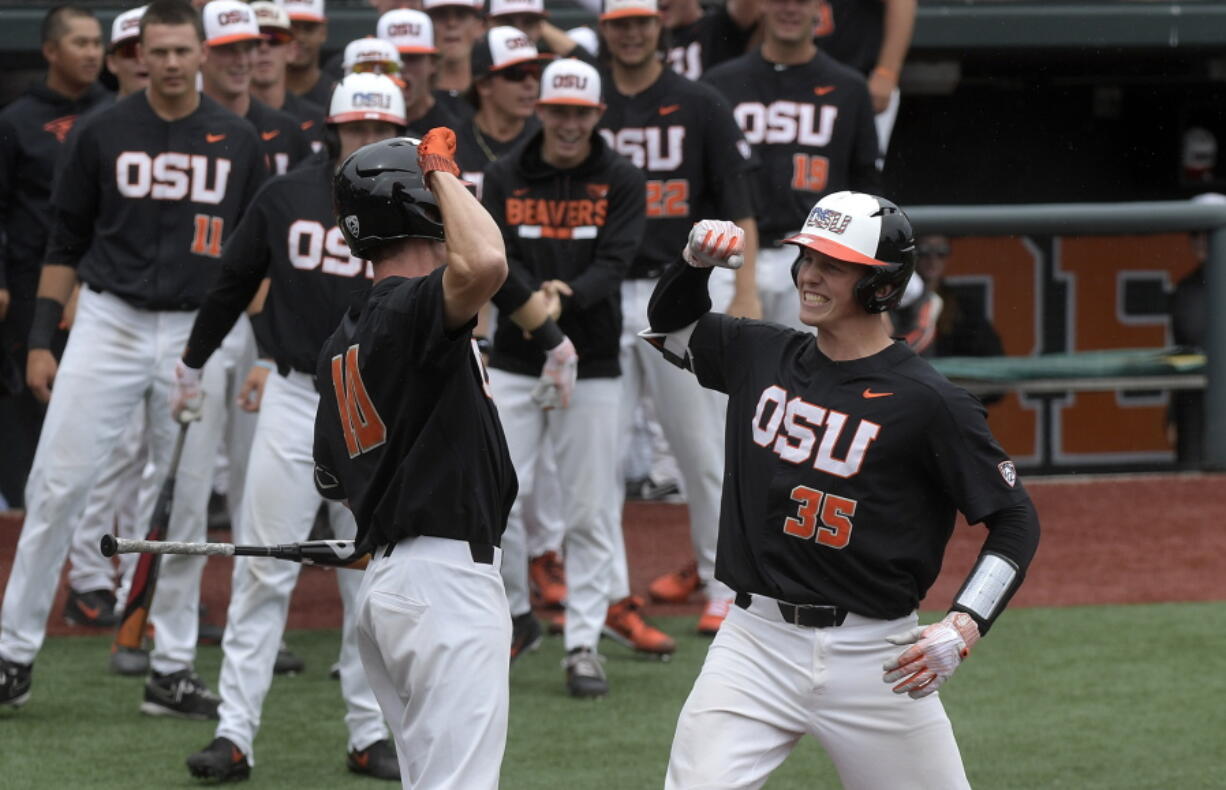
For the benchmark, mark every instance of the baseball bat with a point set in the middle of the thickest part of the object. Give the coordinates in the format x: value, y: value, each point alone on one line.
x: 333, y: 553
x: 144, y: 580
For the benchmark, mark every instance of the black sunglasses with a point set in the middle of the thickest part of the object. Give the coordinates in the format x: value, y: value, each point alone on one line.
x: 519, y: 73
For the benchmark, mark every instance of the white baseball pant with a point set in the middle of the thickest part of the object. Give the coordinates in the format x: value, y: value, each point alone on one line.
x: 780, y: 300
x: 118, y: 359
x: 584, y: 437
x: 434, y: 633
x: 692, y: 419
x: 766, y: 683
x: 543, y: 508
x: 279, y: 507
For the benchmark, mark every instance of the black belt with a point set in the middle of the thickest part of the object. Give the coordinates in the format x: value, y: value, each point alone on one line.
x: 807, y: 615
x: 285, y: 370
x: 482, y: 553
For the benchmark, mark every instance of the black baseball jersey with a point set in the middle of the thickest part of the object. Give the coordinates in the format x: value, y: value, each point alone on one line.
x: 33, y: 129
x: 281, y: 139
x: 811, y: 127
x: 436, y: 116
x: 320, y: 94
x: 683, y: 136
x: 475, y: 151
x: 310, y: 118
x: 843, y: 478
x: 143, y: 205
x: 454, y: 102
x: 288, y: 235
x: 851, y: 31
x: 706, y: 42
x: 407, y: 429
x: 581, y: 225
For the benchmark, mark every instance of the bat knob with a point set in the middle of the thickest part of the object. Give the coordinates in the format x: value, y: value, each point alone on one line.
x: 109, y: 545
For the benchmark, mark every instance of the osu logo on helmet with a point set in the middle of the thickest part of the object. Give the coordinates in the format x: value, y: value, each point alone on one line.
x: 372, y: 99
x: 828, y: 219
x: 235, y: 17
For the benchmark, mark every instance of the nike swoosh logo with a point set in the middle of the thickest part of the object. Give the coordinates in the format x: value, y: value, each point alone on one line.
x: 822, y: 90
x: 271, y: 134
x: 214, y: 138
x: 306, y: 125
x: 868, y: 393
x: 669, y: 109
x: 90, y: 612
x: 519, y: 192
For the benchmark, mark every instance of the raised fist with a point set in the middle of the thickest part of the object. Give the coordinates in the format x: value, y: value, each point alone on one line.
x: 437, y: 152
x: 715, y: 242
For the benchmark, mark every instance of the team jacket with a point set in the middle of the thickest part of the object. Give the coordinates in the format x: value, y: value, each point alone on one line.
x: 811, y: 127
x: 582, y: 226
x: 143, y: 205
x: 683, y: 136
x: 406, y: 428
x: 288, y: 235
x: 844, y: 478
x: 706, y: 42
x: 33, y: 129
x: 851, y: 31
x: 281, y: 139
x: 475, y: 151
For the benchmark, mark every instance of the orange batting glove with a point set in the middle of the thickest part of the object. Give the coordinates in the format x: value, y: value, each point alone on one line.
x: 936, y: 651
x: 436, y: 151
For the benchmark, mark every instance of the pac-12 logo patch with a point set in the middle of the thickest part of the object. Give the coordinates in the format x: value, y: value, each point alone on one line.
x: 351, y: 225
x: 1008, y: 471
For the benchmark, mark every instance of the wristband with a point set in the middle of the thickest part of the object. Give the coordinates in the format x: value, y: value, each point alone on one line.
x: 47, y: 316
x: 547, y: 336
x: 267, y: 364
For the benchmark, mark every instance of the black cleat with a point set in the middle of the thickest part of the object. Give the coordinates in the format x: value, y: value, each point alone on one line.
x: 95, y: 609
x: 14, y: 683
x: 182, y: 694
x: 585, y: 673
x: 377, y: 760
x: 221, y: 760
x: 288, y: 662
x: 525, y: 635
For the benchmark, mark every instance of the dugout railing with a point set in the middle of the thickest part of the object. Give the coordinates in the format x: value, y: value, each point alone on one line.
x: 1082, y: 219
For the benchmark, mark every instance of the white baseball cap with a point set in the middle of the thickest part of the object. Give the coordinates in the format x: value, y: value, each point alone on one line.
x: 501, y: 48
x: 586, y: 38
x: 370, y: 50
x: 273, y: 20
x: 476, y: 5
x: 228, y: 22
x: 126, y: 26
x: 570, y: 81
x: 504, y: 7
x: 622, y: 9
x: 305, y: 10
x: 408, y: 30
x: 367, y: 97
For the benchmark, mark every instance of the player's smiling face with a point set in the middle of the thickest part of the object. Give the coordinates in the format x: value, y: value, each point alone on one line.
x: 827, y: 289
x: 567, y: 133
x: 455, y: 30
x: 227, y: 68
x: 632, y: 41
x: 172, y: 55
x: 790, y: 21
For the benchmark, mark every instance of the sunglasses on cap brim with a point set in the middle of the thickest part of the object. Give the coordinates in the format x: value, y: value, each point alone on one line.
x: 276, y: 36
x: 376, y: 67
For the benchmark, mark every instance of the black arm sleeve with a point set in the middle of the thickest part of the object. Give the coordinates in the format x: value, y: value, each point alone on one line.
x: 1013, y: 533
x: 680, y: 298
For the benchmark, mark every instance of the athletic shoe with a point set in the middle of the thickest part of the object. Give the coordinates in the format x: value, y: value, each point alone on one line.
x: 625, y: 624
x: 377, y: 760
x: 181, y: 694
x: 334, y: 671
x: 675, y: 587
x: 14, y: 683
x: 713, y: 615
x: 669, y: 491
x: 130, y: 661
x: 288, y: 662
x: 585, y: 673
x: 525, y: 635
x: 548, y: 576
x: 220, y: 760
x: 95, y: 609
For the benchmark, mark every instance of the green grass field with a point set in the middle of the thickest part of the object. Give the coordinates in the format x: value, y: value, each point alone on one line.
x: 1105, y: 697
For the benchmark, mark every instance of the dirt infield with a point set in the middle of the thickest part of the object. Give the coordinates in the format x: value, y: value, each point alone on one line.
x: 1128, y: 539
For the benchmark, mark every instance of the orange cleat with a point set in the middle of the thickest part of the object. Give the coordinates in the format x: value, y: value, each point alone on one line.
x: 625, y: 624
x: 676, y: 587
x: 548, y: 576
x: 713, y: 615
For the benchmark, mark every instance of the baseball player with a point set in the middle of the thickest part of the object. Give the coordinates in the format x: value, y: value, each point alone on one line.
x: 457, y: 24
x: 151, y: 187
x: 407, y: 433
x: 412, y: 33
x: 303, y: 75
x: 809, y: 119
x: 289, y: 236
x: 268, y: 73
x: 32, y: 130
x: 531, y: 17
x: 121, y: 57
x: 848, y: 458
x: 572, y: 213
x: 684, y: 136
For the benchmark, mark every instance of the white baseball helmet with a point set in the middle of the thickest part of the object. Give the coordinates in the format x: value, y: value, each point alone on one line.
x: 367, y: 97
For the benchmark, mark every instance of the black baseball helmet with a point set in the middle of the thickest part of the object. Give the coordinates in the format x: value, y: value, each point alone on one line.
x: 379, y: 196
x: 860, y: 228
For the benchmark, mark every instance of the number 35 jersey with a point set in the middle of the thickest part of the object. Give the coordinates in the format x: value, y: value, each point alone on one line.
x: 811, y: 126
x: 843, y: 478
x: 143, y: 205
